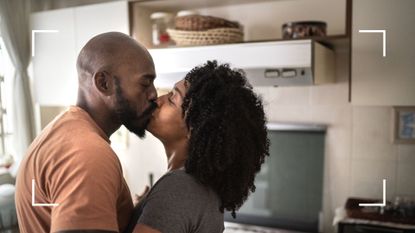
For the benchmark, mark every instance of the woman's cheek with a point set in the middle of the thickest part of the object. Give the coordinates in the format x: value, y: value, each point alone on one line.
x: 165, y: 115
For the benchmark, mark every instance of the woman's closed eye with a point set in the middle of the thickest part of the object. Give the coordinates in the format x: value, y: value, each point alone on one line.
x: 169, y: 97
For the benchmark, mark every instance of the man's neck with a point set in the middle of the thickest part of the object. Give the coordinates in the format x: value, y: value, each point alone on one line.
x: 100, y: 116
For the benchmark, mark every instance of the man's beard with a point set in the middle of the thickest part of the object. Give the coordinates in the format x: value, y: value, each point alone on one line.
x: 135, y: 123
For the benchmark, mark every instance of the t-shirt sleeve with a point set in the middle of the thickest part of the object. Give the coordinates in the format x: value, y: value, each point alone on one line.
x: 169, y: 207
x: 86, y: 189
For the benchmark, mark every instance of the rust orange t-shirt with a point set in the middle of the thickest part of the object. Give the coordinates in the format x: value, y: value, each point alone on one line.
x: 72, y: 164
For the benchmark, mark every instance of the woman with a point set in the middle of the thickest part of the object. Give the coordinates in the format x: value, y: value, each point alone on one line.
x: 212, y: 126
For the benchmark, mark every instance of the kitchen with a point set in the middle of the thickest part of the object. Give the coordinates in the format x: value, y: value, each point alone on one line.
x: 348, y: 95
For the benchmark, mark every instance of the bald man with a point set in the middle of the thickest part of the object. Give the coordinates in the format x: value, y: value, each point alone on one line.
x: 71, y: 164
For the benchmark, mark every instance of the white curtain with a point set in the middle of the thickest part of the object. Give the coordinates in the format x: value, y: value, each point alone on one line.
x: 15, y: 31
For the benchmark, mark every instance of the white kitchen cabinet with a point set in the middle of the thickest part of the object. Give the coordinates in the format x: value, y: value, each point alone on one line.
x: 378, y: 80
x: 95, y: 19
x: 54, y: 63
x: 307, y: 62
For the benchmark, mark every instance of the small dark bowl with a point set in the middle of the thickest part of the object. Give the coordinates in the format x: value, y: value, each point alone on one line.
x: 303, y: 29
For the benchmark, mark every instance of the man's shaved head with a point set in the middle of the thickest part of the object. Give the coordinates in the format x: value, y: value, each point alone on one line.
x: 107, y: 51
x: 116, y: 77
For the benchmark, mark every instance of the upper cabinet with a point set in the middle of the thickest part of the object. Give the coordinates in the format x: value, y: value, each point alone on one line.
x: 278, y: 63
x: 267, y: 58
x: 54, y: 63
x: 379, y: 80
x: 261, y: 19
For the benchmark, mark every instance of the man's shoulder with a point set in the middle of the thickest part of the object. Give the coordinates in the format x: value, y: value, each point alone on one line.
x: 72, y: 122
x: 73, y: 127
x: 72, y: 139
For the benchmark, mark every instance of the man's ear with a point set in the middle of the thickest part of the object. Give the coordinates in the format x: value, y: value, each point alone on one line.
x: 103, y: 82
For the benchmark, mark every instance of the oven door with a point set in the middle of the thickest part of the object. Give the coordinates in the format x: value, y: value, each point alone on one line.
x: 289, y: 188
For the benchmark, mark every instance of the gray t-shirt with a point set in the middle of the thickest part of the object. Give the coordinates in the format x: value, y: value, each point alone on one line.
x: 178, y: 203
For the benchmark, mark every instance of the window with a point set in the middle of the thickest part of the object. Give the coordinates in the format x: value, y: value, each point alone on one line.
x: 6, y: 72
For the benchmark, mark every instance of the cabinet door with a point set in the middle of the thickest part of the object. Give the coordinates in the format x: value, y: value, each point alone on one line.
x: 99, y: 18
x: 54, y: 64
x: 378, y: 80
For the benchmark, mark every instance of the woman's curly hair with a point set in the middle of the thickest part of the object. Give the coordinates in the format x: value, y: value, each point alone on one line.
x: 227, y: 124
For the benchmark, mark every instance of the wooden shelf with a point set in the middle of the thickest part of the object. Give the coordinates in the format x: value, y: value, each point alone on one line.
x: 266, y: 26
x: 177, y: 5
x: 334, y: 42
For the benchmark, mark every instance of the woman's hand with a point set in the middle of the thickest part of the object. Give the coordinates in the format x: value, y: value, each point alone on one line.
x: 138, y: 198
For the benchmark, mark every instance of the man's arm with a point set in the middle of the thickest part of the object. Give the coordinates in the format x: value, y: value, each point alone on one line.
x: 87, y: 194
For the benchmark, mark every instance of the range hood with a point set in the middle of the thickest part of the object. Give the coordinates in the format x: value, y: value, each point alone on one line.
x: 279, y: 63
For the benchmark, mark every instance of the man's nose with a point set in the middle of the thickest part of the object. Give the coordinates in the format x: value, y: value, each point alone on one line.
x: 153, y: 93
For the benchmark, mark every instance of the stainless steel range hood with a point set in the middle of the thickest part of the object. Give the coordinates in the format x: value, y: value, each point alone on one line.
x: 280, y: 63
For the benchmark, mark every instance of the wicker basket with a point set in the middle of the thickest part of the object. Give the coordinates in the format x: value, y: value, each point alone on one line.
x: 207, y: 37
x: 202, y: 23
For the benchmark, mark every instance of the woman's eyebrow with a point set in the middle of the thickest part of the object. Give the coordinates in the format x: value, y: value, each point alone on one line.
x: 178, y: 91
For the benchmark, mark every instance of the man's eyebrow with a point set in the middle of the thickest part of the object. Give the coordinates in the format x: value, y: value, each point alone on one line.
x: 178, y: 91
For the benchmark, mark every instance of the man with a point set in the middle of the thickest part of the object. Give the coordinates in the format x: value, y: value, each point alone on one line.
x: 71, y: 161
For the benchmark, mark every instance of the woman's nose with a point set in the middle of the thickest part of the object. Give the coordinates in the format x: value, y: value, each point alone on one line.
x: 160, y: 100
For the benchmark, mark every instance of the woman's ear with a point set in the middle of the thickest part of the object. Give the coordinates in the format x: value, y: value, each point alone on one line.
x: 103, y: 82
